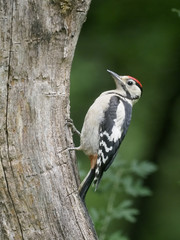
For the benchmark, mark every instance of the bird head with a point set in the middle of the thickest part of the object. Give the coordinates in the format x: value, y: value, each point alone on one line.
x: 128, y: 86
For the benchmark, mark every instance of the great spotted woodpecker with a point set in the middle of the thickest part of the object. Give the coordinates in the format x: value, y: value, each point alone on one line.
x: 105, y: 127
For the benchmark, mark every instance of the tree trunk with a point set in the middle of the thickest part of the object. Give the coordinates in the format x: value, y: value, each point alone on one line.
x: 38, y: 176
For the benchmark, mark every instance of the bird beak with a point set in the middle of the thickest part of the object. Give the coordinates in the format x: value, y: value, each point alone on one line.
x: 117, y: 78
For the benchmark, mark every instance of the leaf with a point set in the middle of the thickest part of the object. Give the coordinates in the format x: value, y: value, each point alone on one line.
x: 135, y: 188
x: 143, y: 169
x: 125, y: 211
x: 124, y: 178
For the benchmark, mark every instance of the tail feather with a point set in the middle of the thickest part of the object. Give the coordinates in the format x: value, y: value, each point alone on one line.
x: 86, y: 183
x: 97, y: 179
x: 99, y: 169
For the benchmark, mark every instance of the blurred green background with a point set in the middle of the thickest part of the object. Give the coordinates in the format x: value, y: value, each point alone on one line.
x: 140, y: 39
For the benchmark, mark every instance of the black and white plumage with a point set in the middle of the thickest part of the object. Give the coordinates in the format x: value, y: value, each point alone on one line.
x: 105, y: 127
x: 112, y: 131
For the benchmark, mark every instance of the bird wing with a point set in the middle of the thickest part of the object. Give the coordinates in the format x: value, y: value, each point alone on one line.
x: 112, y: 131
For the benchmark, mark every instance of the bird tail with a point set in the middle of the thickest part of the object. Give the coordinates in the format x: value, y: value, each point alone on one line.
x: 86, y: 183
x: 97, y: 179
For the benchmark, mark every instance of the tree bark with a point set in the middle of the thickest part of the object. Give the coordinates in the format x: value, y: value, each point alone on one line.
x: 38, y: 175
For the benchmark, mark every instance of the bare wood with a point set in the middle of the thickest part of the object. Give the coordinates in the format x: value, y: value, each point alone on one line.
x: 38, y: 176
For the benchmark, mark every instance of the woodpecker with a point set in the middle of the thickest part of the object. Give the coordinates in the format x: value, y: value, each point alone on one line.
x: 105, y: 127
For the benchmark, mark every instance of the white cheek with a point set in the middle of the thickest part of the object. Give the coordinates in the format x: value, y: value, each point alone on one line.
x: 134, y: 90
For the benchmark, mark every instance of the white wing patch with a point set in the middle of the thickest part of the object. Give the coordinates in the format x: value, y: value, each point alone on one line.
x: 118, y: 122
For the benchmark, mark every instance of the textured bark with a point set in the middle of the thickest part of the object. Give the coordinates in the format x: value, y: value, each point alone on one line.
x: 38, y: 176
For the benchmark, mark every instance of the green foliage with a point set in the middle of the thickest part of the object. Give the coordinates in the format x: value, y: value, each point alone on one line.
x: 120, y: 186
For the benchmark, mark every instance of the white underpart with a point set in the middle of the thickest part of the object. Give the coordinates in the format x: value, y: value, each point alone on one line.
x: 90, y: 130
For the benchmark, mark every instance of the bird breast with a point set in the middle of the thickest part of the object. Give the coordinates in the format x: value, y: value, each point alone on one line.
x: 90, y: 129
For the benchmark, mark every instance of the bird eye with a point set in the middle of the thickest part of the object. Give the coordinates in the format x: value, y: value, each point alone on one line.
x: 130, y: 82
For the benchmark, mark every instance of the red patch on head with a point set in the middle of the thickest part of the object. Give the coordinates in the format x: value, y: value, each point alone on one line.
x: 136, y: 81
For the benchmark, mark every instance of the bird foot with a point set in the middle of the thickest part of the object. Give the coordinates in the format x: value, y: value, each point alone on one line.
x: 74, y: 148
x: 69, y: 123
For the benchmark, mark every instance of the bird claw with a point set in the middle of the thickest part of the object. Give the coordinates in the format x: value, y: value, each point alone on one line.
x: 69, y: 123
